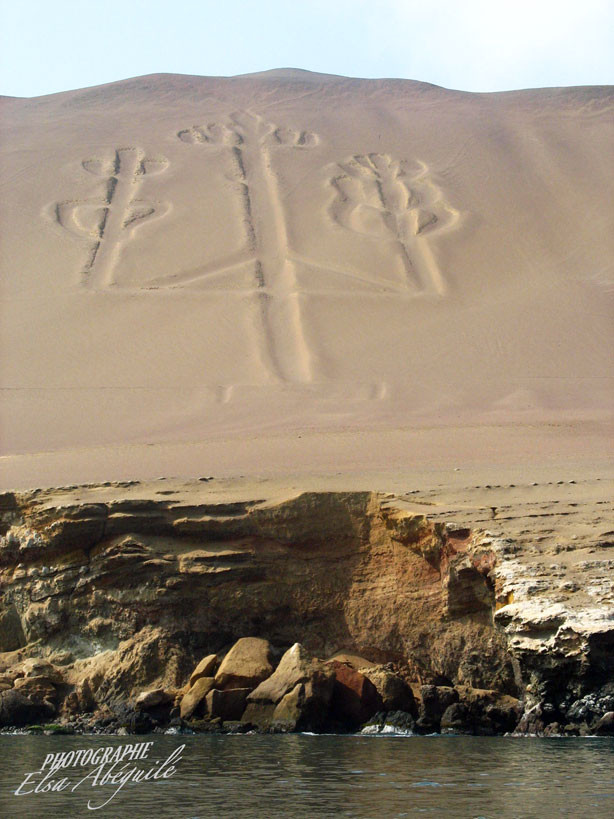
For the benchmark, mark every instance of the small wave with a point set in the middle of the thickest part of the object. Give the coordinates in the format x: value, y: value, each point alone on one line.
x: 386, y: 730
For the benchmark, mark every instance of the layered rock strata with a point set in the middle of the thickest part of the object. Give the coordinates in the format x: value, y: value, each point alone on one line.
x: 117, y: 597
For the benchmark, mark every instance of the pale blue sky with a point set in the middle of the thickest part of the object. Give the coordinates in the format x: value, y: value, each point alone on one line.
x: 474, y: 45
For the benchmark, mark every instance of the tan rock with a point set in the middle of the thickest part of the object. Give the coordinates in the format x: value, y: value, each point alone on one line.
x: 153, y: 698
x: 71, y: 705
x: 62, y: 657
x: 305, y: 707
x: 295, y: 666
x: 85, y: 695
x: 33, y: 667
x: 353, y: 660
x: 193, y: 703
x: 37, y: 689
x: 247, y: 663
x: 148, y: 659
x: 395, y: 693
x: 205, y: 668
x: 180, y: 693
x: 289, y: 709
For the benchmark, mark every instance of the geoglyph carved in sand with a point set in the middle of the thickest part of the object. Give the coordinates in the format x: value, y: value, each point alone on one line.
x: 376, y: 197
x: 108, y: 221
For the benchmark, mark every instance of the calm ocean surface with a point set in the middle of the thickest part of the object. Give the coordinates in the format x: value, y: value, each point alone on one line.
x: 326, y: 776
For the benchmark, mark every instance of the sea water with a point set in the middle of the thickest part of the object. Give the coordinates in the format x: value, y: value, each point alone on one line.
x: 292, y: 776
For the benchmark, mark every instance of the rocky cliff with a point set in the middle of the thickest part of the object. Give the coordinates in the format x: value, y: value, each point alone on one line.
x: 119, y: 589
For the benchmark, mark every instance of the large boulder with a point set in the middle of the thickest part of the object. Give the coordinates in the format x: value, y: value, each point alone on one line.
x: 295, y: 697
x: 38, y: 689
x: 480, y: 711
x: 205, y: 668
x: 18, y: 710
x: 306, y: 707
x: 605, y: 726
x: 435, y: 700
x: 132, y: 720
x: 227, y: 705
x: 153, y: 698
x: 193, y: 703
x: 455, y: 719
x: 355, y: 699
x: 395, y: 693
x: 295, y: 666
x: 258, y: 714
x: 489, y: 712
x: 35, y: 667
x: 288, y: 710
x: 245, y: 666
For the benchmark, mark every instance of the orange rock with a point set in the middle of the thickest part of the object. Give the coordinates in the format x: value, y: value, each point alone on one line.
x: 355, y: 699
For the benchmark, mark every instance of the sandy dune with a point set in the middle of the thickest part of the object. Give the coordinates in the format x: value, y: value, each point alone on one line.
x: 298, y: 273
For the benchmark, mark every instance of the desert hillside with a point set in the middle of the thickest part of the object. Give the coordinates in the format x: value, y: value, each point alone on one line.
x: 294, y: 272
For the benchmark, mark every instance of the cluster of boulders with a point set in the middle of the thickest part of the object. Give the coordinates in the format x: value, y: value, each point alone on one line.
x: 30, y: 692
x: 248, y: 691
x: 254, y: 687
x: 592, y: 714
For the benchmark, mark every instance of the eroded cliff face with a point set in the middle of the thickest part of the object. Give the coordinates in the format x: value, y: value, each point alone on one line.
x: 563, y: 644
x: 126, y: 592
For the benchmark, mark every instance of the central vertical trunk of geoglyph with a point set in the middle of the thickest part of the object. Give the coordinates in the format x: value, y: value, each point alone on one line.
x: 277, y: 295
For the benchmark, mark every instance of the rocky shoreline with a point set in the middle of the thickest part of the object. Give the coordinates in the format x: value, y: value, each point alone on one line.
x: 131, y: 609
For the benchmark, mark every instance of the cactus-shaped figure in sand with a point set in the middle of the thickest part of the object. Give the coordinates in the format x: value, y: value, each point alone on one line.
x: 252, y: 141
x: 377, y: 197
x: 109, y: 220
